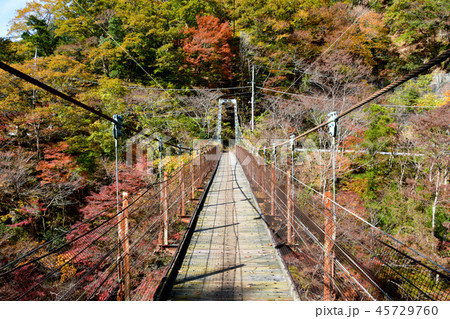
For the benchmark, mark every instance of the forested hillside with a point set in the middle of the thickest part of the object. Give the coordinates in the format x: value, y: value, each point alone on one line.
x: 162, y: 65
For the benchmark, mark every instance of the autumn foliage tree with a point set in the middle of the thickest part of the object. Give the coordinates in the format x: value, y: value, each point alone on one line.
x: 421, y: 27
x: 56, y: 160
x: 207, y: 50
x: 434, y: 141
x: 58, y: 175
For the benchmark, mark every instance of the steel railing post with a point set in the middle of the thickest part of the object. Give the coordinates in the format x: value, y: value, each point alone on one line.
x: 289, y: 207
x: 166, y: 212
x: 330, y: 229
x: 272, y: 189
x: 182, y: 192
x: 124, y: 256
x: 192, y: 180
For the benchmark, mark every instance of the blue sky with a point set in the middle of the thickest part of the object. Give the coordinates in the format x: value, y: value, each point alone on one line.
x: 7, y: 12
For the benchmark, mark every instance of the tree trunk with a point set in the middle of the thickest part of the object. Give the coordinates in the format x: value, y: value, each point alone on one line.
x: 37, y: 130
x: 435, y: 200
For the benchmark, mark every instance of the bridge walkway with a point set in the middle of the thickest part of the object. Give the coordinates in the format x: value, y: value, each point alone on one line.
x: 231, y: 254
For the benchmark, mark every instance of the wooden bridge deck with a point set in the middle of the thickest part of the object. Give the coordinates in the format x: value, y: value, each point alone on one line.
x: 230, y: 255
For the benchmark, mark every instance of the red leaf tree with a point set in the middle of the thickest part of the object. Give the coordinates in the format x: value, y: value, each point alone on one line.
x: 207, y: 50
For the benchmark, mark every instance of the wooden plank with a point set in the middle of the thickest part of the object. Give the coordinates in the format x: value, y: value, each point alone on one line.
x: 230, y: 256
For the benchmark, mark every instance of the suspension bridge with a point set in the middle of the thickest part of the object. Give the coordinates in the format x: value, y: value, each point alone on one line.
x: 227, y: 225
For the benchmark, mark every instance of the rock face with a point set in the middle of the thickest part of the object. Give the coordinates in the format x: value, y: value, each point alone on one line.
x: 440, y: 83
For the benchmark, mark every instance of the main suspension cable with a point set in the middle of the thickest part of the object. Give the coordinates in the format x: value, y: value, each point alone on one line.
x: 435, y: 61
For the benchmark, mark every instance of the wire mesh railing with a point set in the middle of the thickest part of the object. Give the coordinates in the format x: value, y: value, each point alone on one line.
x: 338, y: 256
x: 112, y: 256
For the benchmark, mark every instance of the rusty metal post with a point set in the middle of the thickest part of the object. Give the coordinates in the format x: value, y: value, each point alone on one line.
x: 179, y: 187
x: 160, y: 236
x: 290, y: 206
x: 261, y: 167
x: 250, y: 169
x: 203, y: 171
x: 272, y: 189
x: 264, y: 173
x: 166, y: 211
x: 253, y: 168
x: 263, y: 179
x: 254, y: 172
x: 182, y: 192
x: 257, y: 172
x: 192, y: 180
x: 161, y: 211
x: 124, y: 252
x: 330, y: 231
x: 144, y: 160
x: 199, y: 181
